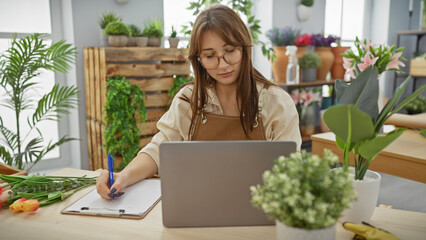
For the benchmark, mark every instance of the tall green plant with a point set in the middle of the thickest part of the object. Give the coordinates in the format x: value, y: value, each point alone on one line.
x: 19, y: 65
x: 123, y: 103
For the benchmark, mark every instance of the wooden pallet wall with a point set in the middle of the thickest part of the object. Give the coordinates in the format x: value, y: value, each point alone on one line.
x: 152, y: 69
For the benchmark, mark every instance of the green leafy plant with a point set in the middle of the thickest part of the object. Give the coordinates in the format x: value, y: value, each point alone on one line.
x: 417, y: 105
x: 283, y: 36
x: 46, y: 189
x: 135, y: 30
x: 124, y: 102
x: 301, y: 191
x: 117, y: 28
x: 179, y: 80
x: 154, y: 29
x: 308, y: 3
x: 310, y: 60
x: 107, y: 18
x: 19, y: 65
x: 356, y: 121
x: 174, y: 33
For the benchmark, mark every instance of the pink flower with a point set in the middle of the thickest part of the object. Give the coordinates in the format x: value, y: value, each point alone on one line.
x: 366, y: 61
x: 295, y: 95
x: 395, y: 63
x: 367, y: 47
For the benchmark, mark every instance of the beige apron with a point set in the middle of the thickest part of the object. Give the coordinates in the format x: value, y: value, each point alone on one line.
x: 215, y: 127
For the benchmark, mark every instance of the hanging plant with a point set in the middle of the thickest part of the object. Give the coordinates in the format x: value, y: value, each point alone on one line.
x: 178, y: 82
x: 123, y: 103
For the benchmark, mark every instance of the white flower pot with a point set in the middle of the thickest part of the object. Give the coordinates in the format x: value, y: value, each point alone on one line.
x: 304, y: 12
x: 367, y: 193
x: 285, y: 232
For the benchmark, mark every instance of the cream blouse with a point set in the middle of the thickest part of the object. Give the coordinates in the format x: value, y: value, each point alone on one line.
x: 278, y: 113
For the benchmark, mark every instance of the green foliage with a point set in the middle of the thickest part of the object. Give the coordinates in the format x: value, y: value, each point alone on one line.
x: 301, y: 191
x: 124, y: 102
x: 174, y: 33
x: 46, y: 189
x: 135, y: 30
x: 154, y: 29
x: 417, y: 105
x: 117, y: 28
x: 19, y: 65
x: 308, y: 3
x: 107, y: 18
x: 356, y: 121
x: 178, y: 82
x: 310, y: 60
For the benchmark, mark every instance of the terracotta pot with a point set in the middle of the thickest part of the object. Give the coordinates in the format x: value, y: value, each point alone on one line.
x: 279, y: 66
x: 118, y: 40
x: 327, y: 59
x: 337, y: 70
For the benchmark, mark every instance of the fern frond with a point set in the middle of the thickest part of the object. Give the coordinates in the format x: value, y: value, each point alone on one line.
x: 56, y: 101
x: 10, y: 137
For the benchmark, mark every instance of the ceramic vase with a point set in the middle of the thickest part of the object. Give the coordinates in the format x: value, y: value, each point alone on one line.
x: 284, y: 232
x: 327, y: 59
x: 309, y: 74
x: 337, y: 70
x: 367, y: 193
x: 279, y: 65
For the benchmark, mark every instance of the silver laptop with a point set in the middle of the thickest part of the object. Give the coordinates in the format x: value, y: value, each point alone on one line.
x: 207, y: 183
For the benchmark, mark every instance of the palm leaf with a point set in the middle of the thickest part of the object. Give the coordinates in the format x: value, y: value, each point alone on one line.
x: 10, y: 137
x: 31, y: 151
x: 6, y: 156
x: 49, y: 148
x: 56, y: 101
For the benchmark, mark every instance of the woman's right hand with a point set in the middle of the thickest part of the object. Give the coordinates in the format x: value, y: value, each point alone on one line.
x: 102, y: 185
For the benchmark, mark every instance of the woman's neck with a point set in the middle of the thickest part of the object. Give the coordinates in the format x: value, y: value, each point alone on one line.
x: 227, y: 95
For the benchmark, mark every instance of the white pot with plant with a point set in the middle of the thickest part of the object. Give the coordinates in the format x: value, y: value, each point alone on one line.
x: 173, y: 40
x: 309, y: 63
x: 103, y: 21
x: 27, y: 58
x: 304, y: 9
x: 304, y: 197
x: 154, y: 31
x: 356, y: 120
x: 118, y: 34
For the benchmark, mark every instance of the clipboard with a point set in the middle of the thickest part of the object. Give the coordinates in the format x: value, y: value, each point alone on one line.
x: 136, y: 203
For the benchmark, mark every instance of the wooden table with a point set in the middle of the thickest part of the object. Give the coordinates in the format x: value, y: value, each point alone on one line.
x: 405, y: 157
x: 49, y: 223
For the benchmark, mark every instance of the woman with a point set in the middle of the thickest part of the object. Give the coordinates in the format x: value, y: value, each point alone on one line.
x: 228, y: 100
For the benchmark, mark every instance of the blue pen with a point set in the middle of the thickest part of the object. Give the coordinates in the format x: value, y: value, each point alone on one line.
x: 111, y: 171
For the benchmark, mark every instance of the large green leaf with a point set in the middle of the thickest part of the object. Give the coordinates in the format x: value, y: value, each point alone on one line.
x: 371, y: 148
x: 364, y: 92
x: 341, y: 88
x: 349, y: 123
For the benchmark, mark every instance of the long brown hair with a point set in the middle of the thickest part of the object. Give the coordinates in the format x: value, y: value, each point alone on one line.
x: 226, y: 23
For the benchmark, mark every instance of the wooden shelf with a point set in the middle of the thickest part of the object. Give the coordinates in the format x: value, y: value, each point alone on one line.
x: 307, y: 84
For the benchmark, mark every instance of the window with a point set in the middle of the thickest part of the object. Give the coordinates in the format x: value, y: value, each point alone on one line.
x: 25, y: 17
x: 344, y: 18
x: 176, y: 15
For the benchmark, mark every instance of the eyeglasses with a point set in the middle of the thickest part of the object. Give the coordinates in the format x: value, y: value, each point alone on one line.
x: 231, y: 57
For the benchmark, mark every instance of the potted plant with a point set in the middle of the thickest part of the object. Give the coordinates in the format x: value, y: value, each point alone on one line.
x: 118, y: 34
x: 280, y: 38
x: 154, y: 31
x: 323, y: 48
x: 418, y: 105
x: 103, y: 21
x: 173, y: 40
x: 309, y: 62
x: 307, y: 105
x: 356, y: 120
x: 304, y: 196
x: 141, y: 39
x: 304, y: 9
x: 136, y: 31
x: 26, y: 59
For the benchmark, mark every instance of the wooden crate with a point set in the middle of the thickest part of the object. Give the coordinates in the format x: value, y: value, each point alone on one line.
x: 152, y: 69
x: 418, y: 67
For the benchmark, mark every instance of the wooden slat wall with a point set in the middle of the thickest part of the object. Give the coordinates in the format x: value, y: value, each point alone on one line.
x: 152, y: 69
